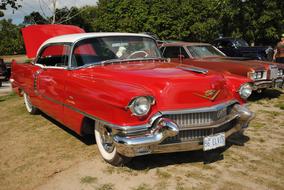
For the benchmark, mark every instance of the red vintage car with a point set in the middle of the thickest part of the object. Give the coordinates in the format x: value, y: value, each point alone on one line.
x: 264, y: 74
x: 118, y: 86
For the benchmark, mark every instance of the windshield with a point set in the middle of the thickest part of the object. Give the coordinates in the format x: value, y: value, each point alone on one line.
x: 241, y: 43
x: 112, y: 48
x: 199, y: 51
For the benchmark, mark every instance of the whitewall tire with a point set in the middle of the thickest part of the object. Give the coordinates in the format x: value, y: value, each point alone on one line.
x: 107, y: 148
x: 29, y: 106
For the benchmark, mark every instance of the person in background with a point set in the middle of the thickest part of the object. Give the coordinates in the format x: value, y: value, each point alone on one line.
x: 279, y: 52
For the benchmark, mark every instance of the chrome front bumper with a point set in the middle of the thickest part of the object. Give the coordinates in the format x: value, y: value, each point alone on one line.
x: 276, y: 83
x: 259, y: 85
x: 151, y: 141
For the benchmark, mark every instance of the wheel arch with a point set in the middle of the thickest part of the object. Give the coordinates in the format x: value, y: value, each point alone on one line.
x: 87, y: 126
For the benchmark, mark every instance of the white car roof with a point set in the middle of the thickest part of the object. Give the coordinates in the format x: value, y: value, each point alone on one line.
x: 72, y: 38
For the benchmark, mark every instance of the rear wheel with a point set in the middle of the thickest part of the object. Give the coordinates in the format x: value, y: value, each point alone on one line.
x: 29, y: 106
x: 107, y: 147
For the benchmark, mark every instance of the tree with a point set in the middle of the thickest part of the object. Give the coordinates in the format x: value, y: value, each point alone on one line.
x: 259, y: 21
x: 12, y: 3
x: 176, y: 20
x: 11, y: 41
x: 35, y: 18
x: 50, y: 13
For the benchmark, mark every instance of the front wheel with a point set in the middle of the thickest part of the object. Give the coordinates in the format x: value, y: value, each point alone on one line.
x: 29, y: 106
x: 107, y: 147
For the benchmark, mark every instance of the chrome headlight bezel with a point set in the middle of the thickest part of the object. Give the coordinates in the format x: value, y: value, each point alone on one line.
x: 257, y: 75
x: 245, y: 90
x: 141, y: 105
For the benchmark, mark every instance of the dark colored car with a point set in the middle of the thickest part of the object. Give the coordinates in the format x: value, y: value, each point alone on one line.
x: 3, y: 71
x: 237, y: 47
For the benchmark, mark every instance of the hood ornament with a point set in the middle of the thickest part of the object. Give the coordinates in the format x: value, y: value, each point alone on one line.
x: 209, y: 94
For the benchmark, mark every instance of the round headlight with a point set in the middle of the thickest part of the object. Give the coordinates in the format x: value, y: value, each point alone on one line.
x: 140, y: 106
x: 245, y: 90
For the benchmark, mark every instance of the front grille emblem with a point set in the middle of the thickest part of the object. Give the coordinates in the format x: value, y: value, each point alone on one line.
x: 209, y: 94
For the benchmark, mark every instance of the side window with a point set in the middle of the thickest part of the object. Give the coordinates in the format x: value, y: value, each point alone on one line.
x: 172, y: 52
x: 183, y: 52
x: 83, y: 54
x: 175, y: 52
x: 54, y: 56
x: 224, y: 44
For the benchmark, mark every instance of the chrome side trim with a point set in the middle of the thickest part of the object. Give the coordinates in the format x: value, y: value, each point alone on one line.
x: 137, y: 128
x: 198, y: 110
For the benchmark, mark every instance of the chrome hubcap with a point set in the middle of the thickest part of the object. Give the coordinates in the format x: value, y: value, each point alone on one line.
x: 106, y: 139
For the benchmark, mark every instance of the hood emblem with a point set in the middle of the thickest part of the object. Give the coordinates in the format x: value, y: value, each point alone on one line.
x: 209, y: 94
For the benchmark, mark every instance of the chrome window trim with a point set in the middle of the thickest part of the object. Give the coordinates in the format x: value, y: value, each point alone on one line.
x: 53, y: 67
x: 72, y: 46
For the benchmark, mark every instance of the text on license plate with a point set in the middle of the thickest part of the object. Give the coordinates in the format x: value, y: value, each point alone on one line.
x: 214, y: 141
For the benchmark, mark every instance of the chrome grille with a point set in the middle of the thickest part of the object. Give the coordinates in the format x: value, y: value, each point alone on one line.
x: 273, y: 72
x: 187, y: 120
x: 198, y: 134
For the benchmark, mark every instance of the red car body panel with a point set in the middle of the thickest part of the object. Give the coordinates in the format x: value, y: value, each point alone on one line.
x: 105, y: 91
x: 35, y: 35
x: 173, y: 89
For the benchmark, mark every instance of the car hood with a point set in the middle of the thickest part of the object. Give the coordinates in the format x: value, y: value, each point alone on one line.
x: 235, y: 63
x: 35, y: 35
x: 173, y: 85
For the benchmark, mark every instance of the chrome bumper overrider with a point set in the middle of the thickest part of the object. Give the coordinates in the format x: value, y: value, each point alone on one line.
x: 151, y: 141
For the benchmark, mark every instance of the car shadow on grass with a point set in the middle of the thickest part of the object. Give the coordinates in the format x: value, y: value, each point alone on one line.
x: 208, y: 157
x: 266, y: 94
x: 86, y: 139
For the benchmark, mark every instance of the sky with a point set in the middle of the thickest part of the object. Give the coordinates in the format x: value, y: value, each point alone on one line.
x: 42, y: 6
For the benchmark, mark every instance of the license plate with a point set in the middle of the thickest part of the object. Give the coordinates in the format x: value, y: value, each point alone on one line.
x: 214, y: 141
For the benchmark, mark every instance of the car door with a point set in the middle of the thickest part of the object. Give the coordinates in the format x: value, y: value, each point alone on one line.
x: 50, y: 80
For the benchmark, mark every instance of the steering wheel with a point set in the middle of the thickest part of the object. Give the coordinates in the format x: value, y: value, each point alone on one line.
x: 137, y: 54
